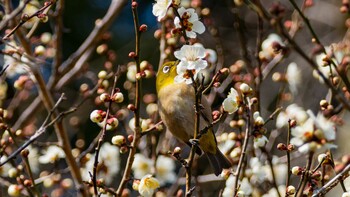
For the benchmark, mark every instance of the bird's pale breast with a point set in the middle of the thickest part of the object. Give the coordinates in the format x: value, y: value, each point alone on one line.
x: 176, y: 107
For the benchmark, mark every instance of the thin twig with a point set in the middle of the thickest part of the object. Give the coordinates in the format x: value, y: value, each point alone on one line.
x: 36, y: 14
x: 259, y: 78
x: 210, y: 125
x: 74, y: 60
x: 272, y: 116
x: 154, y: 127
x: 245, y: 146
x: 282, y: 31
x: 4, y: 69
x: 317, y: 40
x: 30, y: 173
x: 305, y: 177
x: 102, y: 136
x: 197, y: 98
x: 288, y: 156
x: 13, y: 14
x: 333, y: 182
x: 217, y: 74
x: 107, y: 189
x: 38, y: 133
x: 138, y: 96
x: 61, y: 132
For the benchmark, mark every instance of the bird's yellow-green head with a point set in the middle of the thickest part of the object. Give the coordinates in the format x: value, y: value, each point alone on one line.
x: 166, y: 74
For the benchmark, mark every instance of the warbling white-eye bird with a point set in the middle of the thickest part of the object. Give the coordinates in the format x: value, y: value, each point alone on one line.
x: 176, y: 107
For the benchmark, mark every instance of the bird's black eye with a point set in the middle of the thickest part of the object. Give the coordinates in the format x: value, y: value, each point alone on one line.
x: 166, y: 69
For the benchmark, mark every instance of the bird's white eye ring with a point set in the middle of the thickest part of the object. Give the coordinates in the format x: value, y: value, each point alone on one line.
x: 166, y: 69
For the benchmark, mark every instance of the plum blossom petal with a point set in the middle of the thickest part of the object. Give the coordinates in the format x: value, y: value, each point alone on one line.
x: 230, y: 104
x: 267, y: 52
x: 52, y: 154
x: 260, y: 141
x: 165, y: 170
x: 142, y: 165
x: 191, y: 62
x: 109, y: 162
x: 293, y: 111
x: 160, y: 8
x: 190, y: 22
x: 316, y: 133
x: 147, y: 185
x: 293, y: 75
x: 191, y: 57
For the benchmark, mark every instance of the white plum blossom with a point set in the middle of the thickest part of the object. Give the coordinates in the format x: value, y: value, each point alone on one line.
x: 346, y: 194
x: 245, y: 88
x: 185, y: 75
x: 326, y: 70
x: 141, y: 166
x: 147, y: 185
x: 323, y: 124
x: 258, y: 120
x: 210, y: 54
x: 267, y: 51
x: 230, y: 184
x: 227, y: 145
x: 112, y: 123
x: 260, y: 141
x: 315, y: 133
x: 270, y: 40
x: 97, y: 116
x: 302, y: 133
x: 273, y: 192
x: 259, y: 173
x: 293, y: 75
x: 165, y: 167
x: 33, y: 158
x: 52, y: 154
x: 280, y: 169
x: 190, y: 22
x: 191, y: 57
x: 245, y: 187
x: 230, y: 104
x: 152, y: 109
x: 191, y: 62
x: 109, y: 163
x: 336, y: 53
x: 14, y: 190
x: 160, y: 8
x: 4, y: 168
x: 294, y: 112
x: 144, y: 123
x: 236, y: 152
x: 131, y: 73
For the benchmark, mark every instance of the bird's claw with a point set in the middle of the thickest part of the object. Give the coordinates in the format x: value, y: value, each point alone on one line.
x: 194, y: 142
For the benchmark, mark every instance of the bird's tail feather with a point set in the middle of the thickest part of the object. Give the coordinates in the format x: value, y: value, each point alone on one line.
x: 218, y: 161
